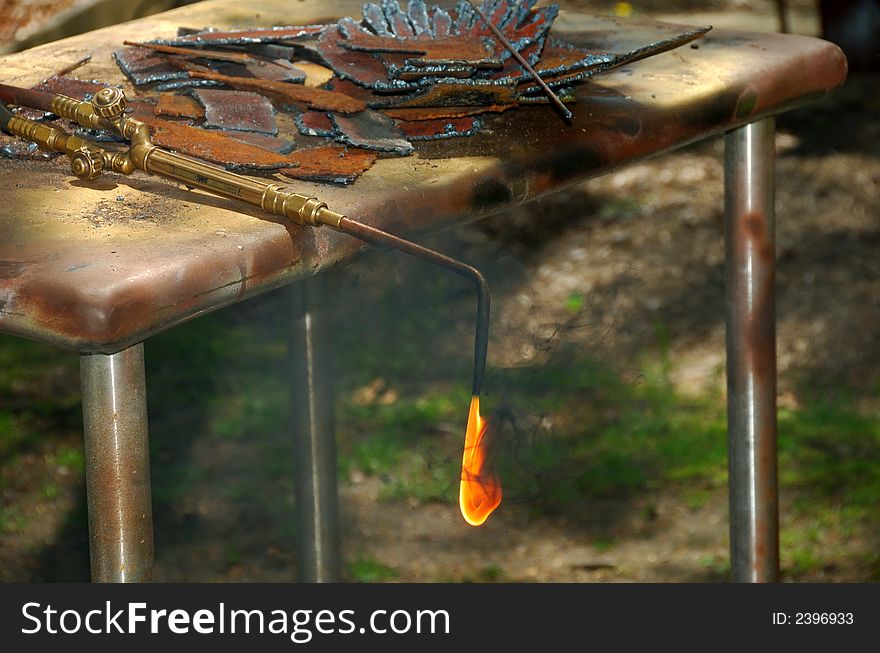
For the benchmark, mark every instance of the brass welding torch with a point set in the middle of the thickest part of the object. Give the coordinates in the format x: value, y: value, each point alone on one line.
x: 88, y: 160
x: 106, y: 111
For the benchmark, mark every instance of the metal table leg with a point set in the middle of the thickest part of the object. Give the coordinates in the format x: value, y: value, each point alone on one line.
x: 114, y: 403
x: 751, y: 352
x: 313, y: 435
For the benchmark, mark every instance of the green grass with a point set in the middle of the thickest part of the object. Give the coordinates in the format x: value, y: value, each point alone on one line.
x: 569, y: 431
x: 365, y: 569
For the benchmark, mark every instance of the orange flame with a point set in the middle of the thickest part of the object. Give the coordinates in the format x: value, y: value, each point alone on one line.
x: 480, y: 490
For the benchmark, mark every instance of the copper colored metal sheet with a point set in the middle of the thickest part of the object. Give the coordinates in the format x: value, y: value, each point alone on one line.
x: 336, y: 165
x: 314, y: 98
x: 238, y: 110
x: 315, y: 123
x: 432, y: 130
x: 179, y: 106
x: 362, y: 67
x: 434, y: 113
x: 371, y: 130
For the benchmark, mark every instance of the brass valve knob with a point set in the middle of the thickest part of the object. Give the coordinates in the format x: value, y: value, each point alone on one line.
x: 87, y: 163
x: 109, y: 103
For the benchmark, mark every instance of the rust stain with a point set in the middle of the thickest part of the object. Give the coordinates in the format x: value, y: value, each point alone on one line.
x: 761, y: 327
x: 756, y: 230
x: 214, y: 146
x: 179, y: 106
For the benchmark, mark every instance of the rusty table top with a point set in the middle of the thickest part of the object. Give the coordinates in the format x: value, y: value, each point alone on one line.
x: 98, y: 266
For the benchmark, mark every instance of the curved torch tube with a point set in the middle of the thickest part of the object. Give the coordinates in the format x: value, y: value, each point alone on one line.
x: 480, y: 492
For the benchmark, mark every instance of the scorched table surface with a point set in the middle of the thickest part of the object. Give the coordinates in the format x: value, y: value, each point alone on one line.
x: 97, y: 266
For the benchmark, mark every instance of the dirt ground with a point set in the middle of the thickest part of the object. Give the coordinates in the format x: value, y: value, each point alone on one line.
x: 638, y: 248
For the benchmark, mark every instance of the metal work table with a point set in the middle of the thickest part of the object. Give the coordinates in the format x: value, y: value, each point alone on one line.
x: 102, y: 291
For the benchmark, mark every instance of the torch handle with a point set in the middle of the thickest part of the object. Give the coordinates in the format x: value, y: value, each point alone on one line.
x: 274, y: 198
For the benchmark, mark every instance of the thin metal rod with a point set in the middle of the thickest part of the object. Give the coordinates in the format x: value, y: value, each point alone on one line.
x: 117, y: 466
x: 751, y: 352
x: 481, y: 337
x: 525, y: 64
x: 26, y: 97
x: 315, y: 487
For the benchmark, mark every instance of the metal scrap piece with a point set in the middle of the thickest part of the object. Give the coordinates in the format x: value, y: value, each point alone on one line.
x: 245, y: 36
x: 432, y: 130
x: 179, y: 106
x: 238, y: 110
x: 145, y: 67
x: 273, y: 51
x: 374, y: 17
x: 284, y: 93
x: 399, y: 21
x: 418, y: 17
x: 187, y: 82
x: 415, y: 73
x: 435, y: 113
x: 371, y: 130
x: 16, y: 148
x: 354, y: 37
x: 439, y: 45
x: 361, y: 67
x: 441, y: 23
x: 214, y: 146
x: 315, y: 123
x: 270, y: 143
x: 465, y: 93
x: 278, y: 70
x: 70, y: 86
x: 351, y: 89
x: 336, y: 165
x: 567, y: 71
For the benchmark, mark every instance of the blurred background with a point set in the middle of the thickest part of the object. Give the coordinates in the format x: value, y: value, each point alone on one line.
x: 606, y: 380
